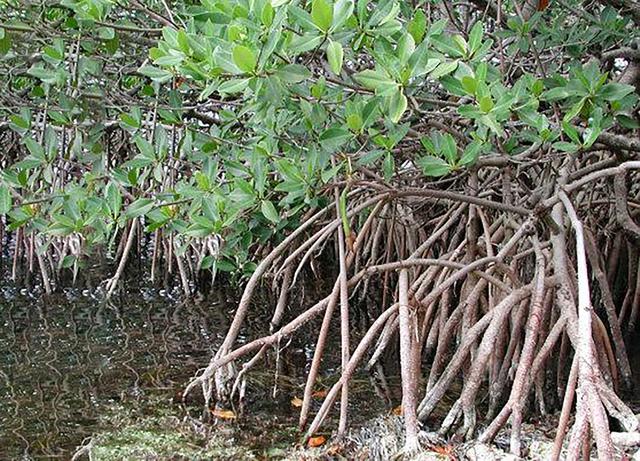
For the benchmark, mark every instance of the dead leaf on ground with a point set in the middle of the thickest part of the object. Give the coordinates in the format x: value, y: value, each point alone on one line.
x: 446, y: 450
x: 316, y: 441
x: 223, y: 414
x: 296, y: 402
x: 397, y: 410
x: 319, y: 394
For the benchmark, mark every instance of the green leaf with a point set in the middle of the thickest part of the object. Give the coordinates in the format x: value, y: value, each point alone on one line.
x: 444, y: 68
x: 343, y: 211
x: 388, y: 166
x: 293, y: 73
x: 170, y: 60
x: 328, y: 175
x: 571, y: 131
x: 244, y: 58
x: 300, y: 17
x: 471, y: 154
x: 591, y: 133
x: 354, y: 122
x: 53, y: 53
x: 234, y: 85
x: 428, y: 145
x: 489, y: 121
x: 590, y: 136
x: 34, y: 148
x: 106, y: 33
x: 397, y: 106
x: 375, y: 80
x: 342, y: 10
x: 5, y: 200
x: 335, y: 55
x: 369, y: 158
x: 370, y: 111
x: 469, y: 84
x: 155, y: 73
x: 628, y: 122
x: 303, y: 43
x: 269, y: 211
x: 574, y: 111
x: 555, y: 94
x: 267, y: 14
x: 406, y: 47
x: 335, y: 137
x: 114, y: 199
x: 129, y: 120
x: 475, y: 36
x: 60, y: 229
x: 145, y: 147
x: 433, y: 166
x: 418, y: 26
x: 5, y: 43
x: 20, y: 122
x: 486, y: 104
x: 615, y: 91
x: 565, y: 146
x: 460, y: 43
x: 68, y: 261
x: 139, y: 207
x: 449, y: 149
x: 322, y: 15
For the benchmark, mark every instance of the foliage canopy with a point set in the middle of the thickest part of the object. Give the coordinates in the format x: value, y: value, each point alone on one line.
x: 454, y: 141
x: 230, y: 118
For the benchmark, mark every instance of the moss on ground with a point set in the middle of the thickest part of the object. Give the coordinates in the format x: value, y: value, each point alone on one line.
x: 152, y: 428
x: 154, y: 432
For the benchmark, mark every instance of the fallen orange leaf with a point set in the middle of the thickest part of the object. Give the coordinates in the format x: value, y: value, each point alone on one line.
x: 443, y: 450
x: 397, y: 410
x: 317, y: 441
x: 223, y: 414
x: 296, y: 402
x: 319, y: 394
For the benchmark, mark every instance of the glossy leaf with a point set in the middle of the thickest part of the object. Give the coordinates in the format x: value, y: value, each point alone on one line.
x: 397, y: 106
x: 322, y: 14
x: 244, y: 58
x: 269, y: 211
x: 434, y: 166
x: 293, y: 73
x: 6, y: 200
x: 335, y: 55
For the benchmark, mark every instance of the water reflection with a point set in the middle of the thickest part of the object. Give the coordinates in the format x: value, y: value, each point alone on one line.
x: 60, y: 362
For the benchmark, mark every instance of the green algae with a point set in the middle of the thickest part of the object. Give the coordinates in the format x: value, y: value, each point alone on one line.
x: 152, y: 431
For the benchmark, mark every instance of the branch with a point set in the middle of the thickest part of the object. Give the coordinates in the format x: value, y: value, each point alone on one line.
x: 622, y: 211
x: 619, y: 141
x: 624, y: 52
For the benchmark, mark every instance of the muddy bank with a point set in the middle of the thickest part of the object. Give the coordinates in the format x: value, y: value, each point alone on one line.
x: 165, y: 436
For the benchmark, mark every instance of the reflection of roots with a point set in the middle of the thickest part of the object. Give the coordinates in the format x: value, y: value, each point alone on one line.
x: 493, y: 294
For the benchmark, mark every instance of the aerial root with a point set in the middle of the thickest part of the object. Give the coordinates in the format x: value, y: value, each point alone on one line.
x: 487, y: 308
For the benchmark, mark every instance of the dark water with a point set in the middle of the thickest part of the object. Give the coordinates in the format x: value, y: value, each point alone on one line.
x: 61, y: 362
x: 67, y: 361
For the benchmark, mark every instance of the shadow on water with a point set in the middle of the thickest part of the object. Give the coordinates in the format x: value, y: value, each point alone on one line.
x: 62, y: 362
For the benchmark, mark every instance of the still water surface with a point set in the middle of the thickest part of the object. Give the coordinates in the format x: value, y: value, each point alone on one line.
x: 62, y: 361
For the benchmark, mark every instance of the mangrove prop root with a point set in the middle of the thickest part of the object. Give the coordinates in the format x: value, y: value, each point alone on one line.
x: 408, y: 364
x: 487, y: 317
